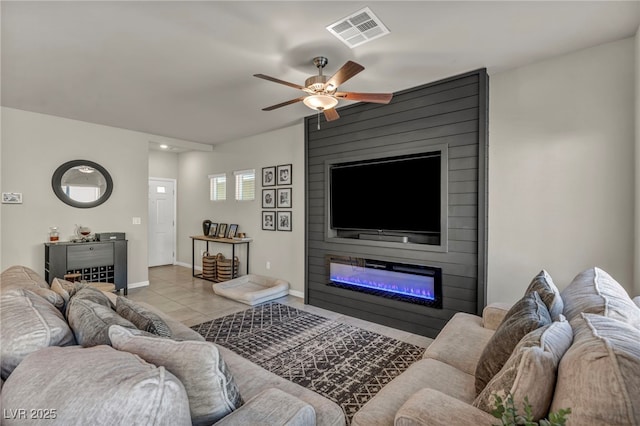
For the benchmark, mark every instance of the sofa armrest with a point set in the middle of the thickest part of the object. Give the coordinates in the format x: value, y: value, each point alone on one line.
x: 429, y: 407
x: 493, y: 314
x: 272, y: 407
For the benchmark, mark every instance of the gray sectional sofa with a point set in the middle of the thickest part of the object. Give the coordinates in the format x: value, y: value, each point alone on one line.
x: 579, y: 349
x: 73, y: 355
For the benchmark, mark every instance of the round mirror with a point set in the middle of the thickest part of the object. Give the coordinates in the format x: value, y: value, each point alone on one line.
x: 82, y: 183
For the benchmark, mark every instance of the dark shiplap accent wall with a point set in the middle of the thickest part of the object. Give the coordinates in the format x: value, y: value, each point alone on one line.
x: 452, y: 112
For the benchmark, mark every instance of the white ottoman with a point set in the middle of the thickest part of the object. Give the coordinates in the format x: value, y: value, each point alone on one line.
x: 252, y: 289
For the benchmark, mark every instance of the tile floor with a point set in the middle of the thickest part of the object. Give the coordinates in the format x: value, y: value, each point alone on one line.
x: 192, y: 301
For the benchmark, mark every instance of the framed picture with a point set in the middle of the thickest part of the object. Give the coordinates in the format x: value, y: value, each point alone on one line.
x: 268, y: 221
x: 268, y: 198
x: 233, y: 230
x: 284, y: 174
x: 213, y: 231
x: 12, y: 197
x: 284, y: 221
x: 222, y: 230
x: 284, y: 198
x: 269, y: 176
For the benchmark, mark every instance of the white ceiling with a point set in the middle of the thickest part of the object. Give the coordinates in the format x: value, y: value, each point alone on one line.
x: 184, y: 69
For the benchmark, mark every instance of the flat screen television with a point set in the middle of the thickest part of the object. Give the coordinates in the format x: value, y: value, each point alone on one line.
x: 400, y: 194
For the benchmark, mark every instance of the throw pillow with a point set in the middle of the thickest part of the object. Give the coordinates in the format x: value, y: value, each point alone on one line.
x: 142, y: 318
x: 598, y: 377
x: 595, y: 292
x: 549, y: 293
x: 28, y: 323
x: 531, y: 370
x: 94, y: 386
x: 211, y: 389
x: 21, y: 276
x: 526, y: 315
x: 90, y: 316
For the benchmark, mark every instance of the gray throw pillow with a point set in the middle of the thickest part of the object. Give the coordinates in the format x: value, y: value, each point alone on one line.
x: 28, y: 323
x: 89, y: 314
x: 530, y: 372
x: 526, y: 315
x: 142, y: 318
x: 93, y: 386
x: 549, y: 293
x: 211, y: 389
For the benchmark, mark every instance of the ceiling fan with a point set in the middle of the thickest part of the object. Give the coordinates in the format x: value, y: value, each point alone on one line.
x: 322, y: 94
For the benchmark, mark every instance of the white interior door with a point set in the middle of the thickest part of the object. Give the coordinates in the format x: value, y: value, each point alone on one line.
x: 162, y: 219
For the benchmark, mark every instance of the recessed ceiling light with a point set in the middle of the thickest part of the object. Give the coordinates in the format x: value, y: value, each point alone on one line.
x: 163, y: 146
x: 358, y: 28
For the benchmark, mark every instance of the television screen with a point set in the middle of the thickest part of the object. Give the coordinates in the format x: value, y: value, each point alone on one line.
x: 387, y: 194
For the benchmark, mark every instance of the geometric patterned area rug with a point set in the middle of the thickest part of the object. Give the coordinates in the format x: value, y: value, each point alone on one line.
x: 344, y: 363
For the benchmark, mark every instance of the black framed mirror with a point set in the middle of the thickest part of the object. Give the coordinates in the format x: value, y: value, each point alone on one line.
x: 82, y: 183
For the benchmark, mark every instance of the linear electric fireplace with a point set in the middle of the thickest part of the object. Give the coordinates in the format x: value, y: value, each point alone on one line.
x: 409, y: 283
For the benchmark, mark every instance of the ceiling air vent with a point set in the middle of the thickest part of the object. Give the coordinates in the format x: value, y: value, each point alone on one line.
x: 358, y: 28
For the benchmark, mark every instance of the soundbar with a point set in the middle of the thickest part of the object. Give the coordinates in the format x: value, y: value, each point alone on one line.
x: 379, y: 237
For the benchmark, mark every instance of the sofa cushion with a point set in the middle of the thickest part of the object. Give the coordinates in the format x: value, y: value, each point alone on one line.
x: 460, y: 342
x: 94, y: 386
x: 28, y: 323
x: 283, y: 409
x: 594, y: 291
x: 142, y: 318
x: 210, y: 386
x: 21, y: 276
x: 549, y: 293
x: 426, y: 373
x: 89, y: 314
x: 530, y: 371
x: 526, y: 315
x: 598, y: 377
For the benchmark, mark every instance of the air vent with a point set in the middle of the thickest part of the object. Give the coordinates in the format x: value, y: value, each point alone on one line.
x: 358, y: 28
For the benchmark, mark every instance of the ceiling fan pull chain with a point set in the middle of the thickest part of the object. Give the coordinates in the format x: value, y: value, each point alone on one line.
x: 318, y: 119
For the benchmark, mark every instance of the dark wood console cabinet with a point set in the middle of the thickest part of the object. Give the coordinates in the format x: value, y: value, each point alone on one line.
x: 97, y: 261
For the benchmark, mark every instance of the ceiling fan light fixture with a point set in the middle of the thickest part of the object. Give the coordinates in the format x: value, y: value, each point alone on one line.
x: 320, y: 102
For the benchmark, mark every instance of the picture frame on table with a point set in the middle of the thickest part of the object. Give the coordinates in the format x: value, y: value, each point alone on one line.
x: 233, y: 230
x: 284, y: 174
x: 213, y: 230
x: 269, y: 176
x: 284, y: 198
x: 222, y: 230
x: 268, y: 198
x: 268, y: 221
x: 284, y: 221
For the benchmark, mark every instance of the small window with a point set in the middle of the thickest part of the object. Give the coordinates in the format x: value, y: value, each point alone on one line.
x: 245, y: 185
x: 161, y: 190
x: 218, y: 187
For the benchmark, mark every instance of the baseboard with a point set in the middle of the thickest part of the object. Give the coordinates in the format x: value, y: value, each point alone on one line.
x: 188, y: 265
x: 296, y: 293
x: 137, y: 285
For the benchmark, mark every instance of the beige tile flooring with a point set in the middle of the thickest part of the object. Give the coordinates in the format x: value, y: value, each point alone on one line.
x: 192, y: 301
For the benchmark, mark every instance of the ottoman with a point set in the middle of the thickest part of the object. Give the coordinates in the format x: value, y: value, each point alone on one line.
x: 252, y: 289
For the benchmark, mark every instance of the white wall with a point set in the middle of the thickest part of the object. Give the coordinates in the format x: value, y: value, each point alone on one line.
x: 284, y: 250
x: 33, y: 146
x: 163, y: 164
x: 561, y: 169
x: 636, y: 260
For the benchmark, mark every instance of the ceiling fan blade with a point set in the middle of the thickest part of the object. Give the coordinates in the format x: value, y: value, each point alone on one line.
x: 277, y: 80
x: 347, y: 71
x: 292, y: 101
x: 378, y: 98
x: 331, y: 114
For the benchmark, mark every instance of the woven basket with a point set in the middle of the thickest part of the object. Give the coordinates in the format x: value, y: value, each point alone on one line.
x: 209, y: 266
x: 226, y: 269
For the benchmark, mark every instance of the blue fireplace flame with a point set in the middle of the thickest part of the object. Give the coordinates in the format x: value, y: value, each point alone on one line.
x: 419, y: 286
